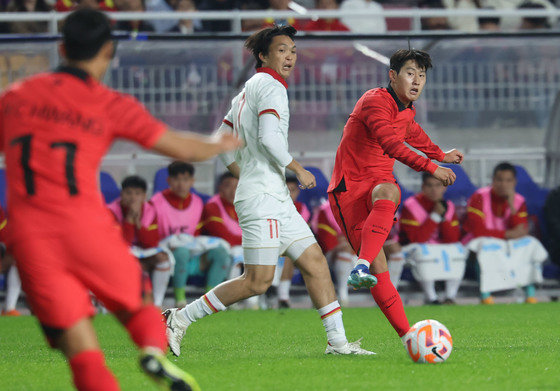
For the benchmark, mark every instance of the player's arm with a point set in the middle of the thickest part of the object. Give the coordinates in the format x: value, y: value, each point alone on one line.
x: 228, y: 158
x: 191, y: 147
x: 272, y: 141
x: 132, y: 121
x: 421, y: 141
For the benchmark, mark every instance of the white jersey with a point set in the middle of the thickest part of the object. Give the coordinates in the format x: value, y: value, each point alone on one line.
x: 265, y: 92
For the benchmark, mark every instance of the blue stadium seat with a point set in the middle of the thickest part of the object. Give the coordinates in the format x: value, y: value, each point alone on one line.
x: 535, y: 196
x: 314, y: 197
x: 160, y: 183
x: 462, y: 189
x: 109, y: 187
x: 3, y: 188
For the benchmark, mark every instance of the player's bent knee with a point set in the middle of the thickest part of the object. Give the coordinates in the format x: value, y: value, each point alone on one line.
x: 259, y: 287
x: 386, y: 191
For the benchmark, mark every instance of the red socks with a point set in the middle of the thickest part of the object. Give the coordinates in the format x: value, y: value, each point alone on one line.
x: 91, y: 373
x: 147, y: 328
x: 376, y: 229
x: 389, y: 300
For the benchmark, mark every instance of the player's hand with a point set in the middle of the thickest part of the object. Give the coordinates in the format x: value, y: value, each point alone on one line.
x: 306, y: 179
x: 453, y: 156
x: 228, y: 142
x: 445, y: 176
x: 439, y: 208
x: 517, y: 232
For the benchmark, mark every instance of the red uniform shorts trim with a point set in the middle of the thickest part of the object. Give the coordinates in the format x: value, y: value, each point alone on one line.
x: 352, y: 206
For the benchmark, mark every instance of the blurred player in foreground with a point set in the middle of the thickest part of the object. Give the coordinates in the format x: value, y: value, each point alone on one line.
x: 270, y: 224
x: 55, y: 129
x: 363, y: 192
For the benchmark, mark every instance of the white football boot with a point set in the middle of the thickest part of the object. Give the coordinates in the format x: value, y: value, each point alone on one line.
x: 349, y: 348
x: 175, y: 330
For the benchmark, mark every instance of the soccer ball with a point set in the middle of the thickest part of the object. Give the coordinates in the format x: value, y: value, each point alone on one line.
x: 428, y: 341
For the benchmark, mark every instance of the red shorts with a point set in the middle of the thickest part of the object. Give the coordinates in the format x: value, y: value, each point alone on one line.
x: 59, y: 272
x: 351, y: 207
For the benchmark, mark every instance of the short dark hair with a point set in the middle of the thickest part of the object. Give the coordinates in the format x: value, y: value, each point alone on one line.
x: 260, y: 41
x: 177, y: 167
x: 505, y: 166
x: 292, y: 179
x: 537, y: 21
x: 135, y: 182
x: 489, y: 19
x: 84, y: 32
x: 425, y: 176
x: 401, y: 56
x: 223, y: 177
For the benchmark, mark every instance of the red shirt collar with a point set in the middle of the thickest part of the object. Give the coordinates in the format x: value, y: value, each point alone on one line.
x: 426, y: 203
x: 176, y: 201
x: 274, y: 74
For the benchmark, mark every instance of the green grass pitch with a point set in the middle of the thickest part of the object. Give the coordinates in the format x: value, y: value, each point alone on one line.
x: 500, y: 347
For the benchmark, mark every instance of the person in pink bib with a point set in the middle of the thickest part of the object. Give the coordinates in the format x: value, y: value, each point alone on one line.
x: 497, y: 211
x: 139, y: 225
x: 428, y: 218
x: 179, y: 211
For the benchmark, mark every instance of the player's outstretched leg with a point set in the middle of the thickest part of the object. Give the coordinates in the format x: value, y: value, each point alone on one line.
x: 255, y: 281
x: 386, y: 296
x: 313, y: 266
x: 147, y: 330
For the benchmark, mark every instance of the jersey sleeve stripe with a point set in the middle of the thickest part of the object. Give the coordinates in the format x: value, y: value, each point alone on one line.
x: 228, y: 123
x: 269, y: 111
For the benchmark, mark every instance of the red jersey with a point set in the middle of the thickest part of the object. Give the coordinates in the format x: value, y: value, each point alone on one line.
x: 54, y: 130
x: 414, y: 232
x: 213, y: 223
x: 147, y: 236
x: 475, y: 224
x: 374, y: 137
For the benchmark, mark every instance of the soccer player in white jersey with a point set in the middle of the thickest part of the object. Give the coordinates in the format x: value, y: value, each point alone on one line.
x: 268, y: 218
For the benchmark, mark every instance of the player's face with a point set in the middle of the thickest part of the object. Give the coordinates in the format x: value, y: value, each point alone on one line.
x: 409, y: 82
x: 132, y: 196
x: 504, y: 183
x: 281, y: 55
x: 294, y: 190
x: 227, y: 188
x: 181, y: 184
x: 433, y: 189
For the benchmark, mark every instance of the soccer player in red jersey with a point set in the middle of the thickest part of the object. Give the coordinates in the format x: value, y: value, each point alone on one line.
x: 54, y: 130
x: 363, y: 193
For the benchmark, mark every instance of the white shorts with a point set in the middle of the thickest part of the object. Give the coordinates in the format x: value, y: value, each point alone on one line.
x: 271, y: 228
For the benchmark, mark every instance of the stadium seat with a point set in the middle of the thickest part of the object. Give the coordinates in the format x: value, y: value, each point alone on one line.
x: 160, y: 183
x: 535, y: 196
x: 3, y: 188
x: 314, y: 197
x: 109, y: 187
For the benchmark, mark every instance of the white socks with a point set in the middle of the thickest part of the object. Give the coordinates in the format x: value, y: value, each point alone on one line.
x: 451, y: 289
x: 205, y: 305
x: 343, y: 265
x: 331, y: 314
x: 429, y: 288
x: 160, y: 281
x: 284, y: 290
x: 13, y: 289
